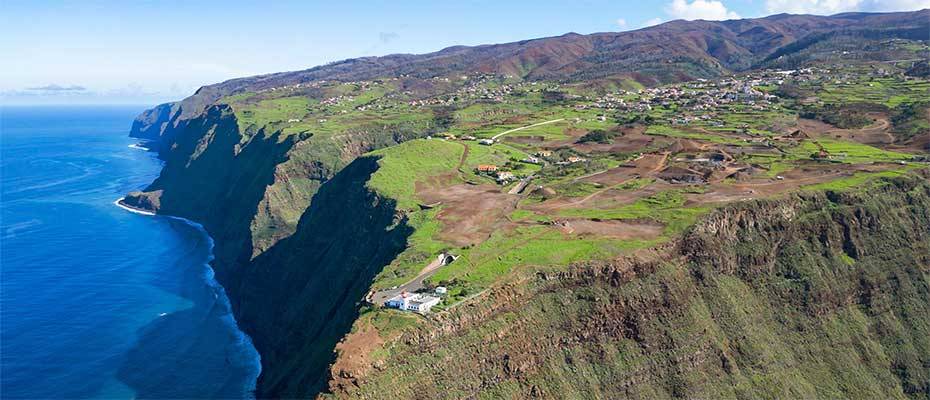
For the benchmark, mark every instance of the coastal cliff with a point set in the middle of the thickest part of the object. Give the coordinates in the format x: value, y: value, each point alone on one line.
x: 299, y: 298
x: 707, y: 243
x: 772, y: 297
x: 752, y: 301
x: 298, y: 235
x: 815, y: 295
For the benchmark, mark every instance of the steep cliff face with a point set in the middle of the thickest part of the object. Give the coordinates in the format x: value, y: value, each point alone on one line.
x: 301, y: 296
x: 208, y: 177
x: 249, y: 190
x: 158, y: 126
x: 298, y: 235
x: 817, y: 295
x: 814, y: 295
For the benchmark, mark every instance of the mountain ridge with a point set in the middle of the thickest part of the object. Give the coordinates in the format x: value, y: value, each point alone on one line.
x: 681, y: 49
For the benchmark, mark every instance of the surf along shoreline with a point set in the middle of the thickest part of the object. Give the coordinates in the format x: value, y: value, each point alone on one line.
x: 210, y: 279
x: 136, y: 210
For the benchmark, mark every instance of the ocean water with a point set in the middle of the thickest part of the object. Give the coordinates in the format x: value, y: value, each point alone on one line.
x: 95, y: 301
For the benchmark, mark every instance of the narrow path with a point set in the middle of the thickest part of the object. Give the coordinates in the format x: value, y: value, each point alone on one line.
x: 525, y: 127
x: 596, y: 193
x: 599, y: 192
x: 463, y: 158
x: 590, y: 175
x: 465, y: 300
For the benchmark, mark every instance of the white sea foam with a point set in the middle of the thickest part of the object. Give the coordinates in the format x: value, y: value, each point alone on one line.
x: 219, y: 292
x: 119, y: 203
x: 220, y: 295
x: 137, y: 146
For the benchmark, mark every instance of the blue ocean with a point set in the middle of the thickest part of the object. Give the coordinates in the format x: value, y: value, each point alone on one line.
x: 96, y: 301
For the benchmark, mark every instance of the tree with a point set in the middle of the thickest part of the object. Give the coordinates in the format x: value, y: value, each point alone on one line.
x: 599, y: 136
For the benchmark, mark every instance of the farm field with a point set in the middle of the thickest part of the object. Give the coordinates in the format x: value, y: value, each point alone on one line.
x: 648, y: 177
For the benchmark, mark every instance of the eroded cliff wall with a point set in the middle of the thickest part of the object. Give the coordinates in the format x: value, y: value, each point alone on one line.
x: 299, y: 236
x: 816, y: 295
x: 812, y: 295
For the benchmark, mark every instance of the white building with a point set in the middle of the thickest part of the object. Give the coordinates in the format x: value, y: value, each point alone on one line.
x: 505, y: 176
x: 418, y: 303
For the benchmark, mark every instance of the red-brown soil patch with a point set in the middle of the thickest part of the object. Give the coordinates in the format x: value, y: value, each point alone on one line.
x: 632, y: 139
x: 470, y: 213
x: 919, y: 144
x: 763, y: 186
x: 876, y: 134
x: 616, y: 229
x: 645, y: 166
x: 354, y: 359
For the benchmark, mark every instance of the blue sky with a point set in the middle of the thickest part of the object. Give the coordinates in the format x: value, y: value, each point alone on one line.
x: 146, y: 51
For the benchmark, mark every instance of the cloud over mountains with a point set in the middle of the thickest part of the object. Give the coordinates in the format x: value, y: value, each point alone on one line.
x: 699, y: 9
x: 827, y: 7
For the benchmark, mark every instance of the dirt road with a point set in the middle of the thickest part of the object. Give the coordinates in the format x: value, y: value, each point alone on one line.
x: 525, y: 127
x: 411, y: 286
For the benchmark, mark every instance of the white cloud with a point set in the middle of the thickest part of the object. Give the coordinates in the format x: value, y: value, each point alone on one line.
x: 621, y: 23
x: 827, y: 7
x: 699, y: 9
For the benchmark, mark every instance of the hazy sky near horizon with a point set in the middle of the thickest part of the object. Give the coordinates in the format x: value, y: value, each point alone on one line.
x: 143, y: 52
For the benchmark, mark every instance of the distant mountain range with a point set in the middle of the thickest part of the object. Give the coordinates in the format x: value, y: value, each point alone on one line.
x: 673, y: 51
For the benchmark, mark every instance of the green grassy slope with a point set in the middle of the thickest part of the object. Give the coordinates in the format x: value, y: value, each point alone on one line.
x: 817, y: 295
x: 311, y: 193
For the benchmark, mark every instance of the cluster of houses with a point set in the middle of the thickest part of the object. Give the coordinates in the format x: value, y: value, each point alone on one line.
x: 547, y: 154
x: 571, y: 160
x: 416, y: 302
x: 493, y: 171
x: 703, y: 95
x: 337, y: 100
x: 294, y: 87
x: 478, y: 88
x: 487, y: 88
x: 504, y: 177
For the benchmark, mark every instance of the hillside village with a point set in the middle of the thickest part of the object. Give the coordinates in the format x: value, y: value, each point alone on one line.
x: 706, y: 209
x: 598, y: 169
x: 627, y: 168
